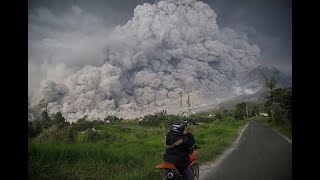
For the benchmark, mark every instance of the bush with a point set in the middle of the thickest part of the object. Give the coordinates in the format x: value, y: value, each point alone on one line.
x: 57, y: 135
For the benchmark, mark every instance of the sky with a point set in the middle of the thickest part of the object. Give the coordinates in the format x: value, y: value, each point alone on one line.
x: 100, y: 57
x: 268, y: 22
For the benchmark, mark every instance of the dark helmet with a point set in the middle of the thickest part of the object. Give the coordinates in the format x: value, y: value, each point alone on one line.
x: 179, y: 126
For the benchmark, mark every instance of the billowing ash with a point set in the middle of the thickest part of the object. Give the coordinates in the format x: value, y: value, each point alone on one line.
x: 166, y: 48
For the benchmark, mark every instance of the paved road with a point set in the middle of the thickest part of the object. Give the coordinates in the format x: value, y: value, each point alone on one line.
x: 262, y: 154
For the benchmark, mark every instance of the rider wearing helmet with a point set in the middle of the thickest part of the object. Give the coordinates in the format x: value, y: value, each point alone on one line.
x: 178, y: 142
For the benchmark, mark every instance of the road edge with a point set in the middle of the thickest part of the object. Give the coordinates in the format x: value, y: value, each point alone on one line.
x: 205, y: 168
x: 285, y: 137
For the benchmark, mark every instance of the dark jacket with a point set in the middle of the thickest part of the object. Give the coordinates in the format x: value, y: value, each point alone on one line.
x: 179, y: 155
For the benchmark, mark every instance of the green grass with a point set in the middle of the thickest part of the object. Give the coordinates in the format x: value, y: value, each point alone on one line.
x: 131, y: 152
x: 215, y: 137
x: 284, y: 131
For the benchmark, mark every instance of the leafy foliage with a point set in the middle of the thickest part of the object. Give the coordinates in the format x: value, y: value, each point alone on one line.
x: 279, y: 106
x: 83, y: 124
x: 59, y: 120
x: 159, y: 118
x: 254, y: 111
x: 34, y: 128
x: 54, y: 134
x: 45, y: 119
x: 240, y: 111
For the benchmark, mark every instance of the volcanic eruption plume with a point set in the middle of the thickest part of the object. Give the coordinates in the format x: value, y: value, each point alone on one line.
x: 166, y: 48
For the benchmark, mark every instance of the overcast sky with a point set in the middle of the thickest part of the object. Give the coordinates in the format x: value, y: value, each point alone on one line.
x: 267, y: 22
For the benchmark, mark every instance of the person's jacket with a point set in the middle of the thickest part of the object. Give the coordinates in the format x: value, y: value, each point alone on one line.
x: 178, y: 154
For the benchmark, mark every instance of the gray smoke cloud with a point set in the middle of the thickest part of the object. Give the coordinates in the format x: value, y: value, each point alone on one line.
x: 139, y: 68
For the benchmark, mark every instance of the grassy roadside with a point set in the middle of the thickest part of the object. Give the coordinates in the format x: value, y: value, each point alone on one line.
x: 215, y: 139
x: 127, y: 153
x: 284, y: 131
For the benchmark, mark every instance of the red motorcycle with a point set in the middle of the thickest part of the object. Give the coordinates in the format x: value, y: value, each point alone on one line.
x: 171, y: 172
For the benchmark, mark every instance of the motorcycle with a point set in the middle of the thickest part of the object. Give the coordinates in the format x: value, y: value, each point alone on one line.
x: 169, y: 171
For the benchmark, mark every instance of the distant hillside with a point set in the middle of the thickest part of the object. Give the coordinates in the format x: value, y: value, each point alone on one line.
x: 255, y: 80
x: 256, y: 98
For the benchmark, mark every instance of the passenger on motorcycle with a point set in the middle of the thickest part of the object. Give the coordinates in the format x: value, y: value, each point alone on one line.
x: 178, y: 143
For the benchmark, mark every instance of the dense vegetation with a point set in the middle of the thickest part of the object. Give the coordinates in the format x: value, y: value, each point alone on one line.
x: 279, y: 106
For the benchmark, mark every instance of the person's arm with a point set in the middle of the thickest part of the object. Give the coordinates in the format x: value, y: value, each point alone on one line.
x: 174, y: 144
x: 170, y: 143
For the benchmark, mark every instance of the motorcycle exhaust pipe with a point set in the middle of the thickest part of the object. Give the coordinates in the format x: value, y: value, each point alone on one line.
x: 170, y: 175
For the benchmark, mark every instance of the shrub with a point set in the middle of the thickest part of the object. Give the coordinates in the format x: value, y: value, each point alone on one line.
x: 57, y: 135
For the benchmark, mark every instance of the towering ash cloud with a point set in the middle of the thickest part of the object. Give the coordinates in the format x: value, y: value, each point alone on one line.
x: 166, y: 48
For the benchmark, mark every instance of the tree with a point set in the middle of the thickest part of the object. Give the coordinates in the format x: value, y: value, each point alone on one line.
x: 45, y: 120
x: 34, y: 128
x: 59, y: 120
x: 255, y: 111
x: 280, y: 103
x: 270, y: 83
x: 240, y: 111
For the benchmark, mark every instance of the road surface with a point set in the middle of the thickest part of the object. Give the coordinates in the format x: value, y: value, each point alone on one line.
x: 260, y: 153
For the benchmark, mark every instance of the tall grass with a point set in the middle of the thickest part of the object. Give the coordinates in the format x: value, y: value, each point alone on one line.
x: 129, y: 152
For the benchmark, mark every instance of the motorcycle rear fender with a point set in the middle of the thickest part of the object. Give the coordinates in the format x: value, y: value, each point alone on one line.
x: 165, y: 166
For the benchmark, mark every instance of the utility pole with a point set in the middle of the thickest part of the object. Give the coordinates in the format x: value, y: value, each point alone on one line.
x: 247, y: 111
x: 188, y: 102
x: 180, y: 101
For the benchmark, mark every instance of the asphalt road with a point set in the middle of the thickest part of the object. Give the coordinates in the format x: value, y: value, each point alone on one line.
x: 261, y: 154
